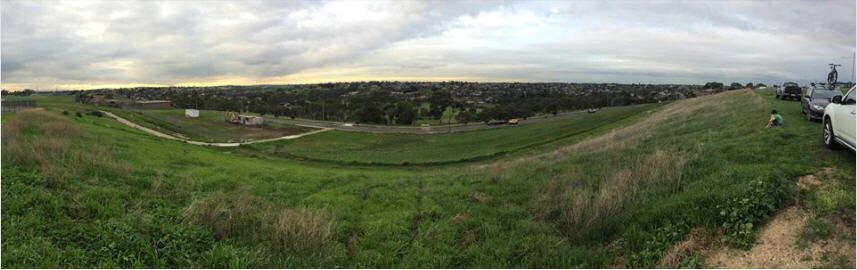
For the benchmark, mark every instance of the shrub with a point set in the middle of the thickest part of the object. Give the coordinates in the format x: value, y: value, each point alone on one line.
x: 64, y: 112
x: 740, y: 215
x: 96, y: 113
x: 78, y: 114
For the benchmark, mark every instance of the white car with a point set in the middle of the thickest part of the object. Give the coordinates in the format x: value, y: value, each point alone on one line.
x: 839, y: 121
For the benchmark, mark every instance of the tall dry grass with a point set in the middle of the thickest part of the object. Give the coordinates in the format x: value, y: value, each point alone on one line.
x: 576, y: 207
x: 302, y: 230
x: 56, y: 146
x: 247, y: 218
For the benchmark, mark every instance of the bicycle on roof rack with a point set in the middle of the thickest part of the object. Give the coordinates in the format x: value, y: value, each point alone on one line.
x: 832, y: 76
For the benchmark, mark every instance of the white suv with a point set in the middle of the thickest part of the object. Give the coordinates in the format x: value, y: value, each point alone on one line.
x: 839, y: 121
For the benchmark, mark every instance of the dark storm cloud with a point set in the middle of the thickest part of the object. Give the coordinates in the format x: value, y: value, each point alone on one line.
x: 48, y: 44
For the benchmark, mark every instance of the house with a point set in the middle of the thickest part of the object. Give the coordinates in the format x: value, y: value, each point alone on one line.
x: 191, y: 113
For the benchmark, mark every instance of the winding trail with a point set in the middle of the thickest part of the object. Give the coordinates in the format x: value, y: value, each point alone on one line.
x: 171, y: 137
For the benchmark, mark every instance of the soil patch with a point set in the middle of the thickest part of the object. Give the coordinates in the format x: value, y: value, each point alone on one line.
x: 776, y: 246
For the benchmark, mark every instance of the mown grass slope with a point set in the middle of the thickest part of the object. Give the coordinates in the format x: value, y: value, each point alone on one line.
x: 104, y: 195
x: 396, y: 149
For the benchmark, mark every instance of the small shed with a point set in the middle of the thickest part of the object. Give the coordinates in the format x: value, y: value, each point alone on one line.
x: 249, y: 120
x: 191, y: 113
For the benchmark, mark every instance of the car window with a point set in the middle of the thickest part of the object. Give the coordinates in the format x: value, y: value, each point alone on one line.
x: 824, y: 94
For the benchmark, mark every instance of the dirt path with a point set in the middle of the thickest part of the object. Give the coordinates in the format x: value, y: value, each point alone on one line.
x: 171, y: 137
x: 776, y: 247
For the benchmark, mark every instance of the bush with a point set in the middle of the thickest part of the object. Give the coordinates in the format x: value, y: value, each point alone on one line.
x: 739, y: 216
x: 64, y: 112
x: 78, y: 114
x: 96, y: 113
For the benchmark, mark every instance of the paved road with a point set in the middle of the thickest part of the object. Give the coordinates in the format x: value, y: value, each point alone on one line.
x: 415, y: 130
x: 171, y: 137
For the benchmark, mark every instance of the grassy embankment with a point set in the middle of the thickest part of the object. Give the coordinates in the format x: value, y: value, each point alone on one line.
x: 396, y: 149
x: 87, y: 191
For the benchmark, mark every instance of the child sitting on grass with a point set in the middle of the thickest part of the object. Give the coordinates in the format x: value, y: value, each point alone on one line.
x: 776, y: 119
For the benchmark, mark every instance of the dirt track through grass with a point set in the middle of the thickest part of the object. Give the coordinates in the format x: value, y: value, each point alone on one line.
x: 171, y: 137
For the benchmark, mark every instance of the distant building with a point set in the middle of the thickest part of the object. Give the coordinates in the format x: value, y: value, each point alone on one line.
x: 191, y: 113
x: 247, y: 120
x: 250, y: 120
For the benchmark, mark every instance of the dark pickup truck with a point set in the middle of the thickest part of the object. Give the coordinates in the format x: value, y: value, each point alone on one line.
x: 789, y: 90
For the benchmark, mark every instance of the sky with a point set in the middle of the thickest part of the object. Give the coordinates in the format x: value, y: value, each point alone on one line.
x: 51, y: 45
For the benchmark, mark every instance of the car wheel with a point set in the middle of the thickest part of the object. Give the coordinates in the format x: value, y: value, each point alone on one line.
x: 828, y: 136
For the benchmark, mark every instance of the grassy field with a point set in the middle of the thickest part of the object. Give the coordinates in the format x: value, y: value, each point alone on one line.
x: 396, y: 149
x: 209, y: 127
x: 90, y: 192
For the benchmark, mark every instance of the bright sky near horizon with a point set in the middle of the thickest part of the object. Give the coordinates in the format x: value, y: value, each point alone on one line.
x: 94, y: 44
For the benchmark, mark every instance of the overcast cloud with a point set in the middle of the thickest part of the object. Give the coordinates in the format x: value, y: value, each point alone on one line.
x: 81, y: 44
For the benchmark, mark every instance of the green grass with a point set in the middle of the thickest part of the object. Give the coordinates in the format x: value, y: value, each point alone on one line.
x: 90, y: 192
x: 396, y: 149
x: 209, y: 127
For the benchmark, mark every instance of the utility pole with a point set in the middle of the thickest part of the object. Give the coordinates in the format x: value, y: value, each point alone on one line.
x: 853, y: 61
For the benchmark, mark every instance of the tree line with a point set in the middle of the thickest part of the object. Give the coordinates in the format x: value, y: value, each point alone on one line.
x: 402, y: 103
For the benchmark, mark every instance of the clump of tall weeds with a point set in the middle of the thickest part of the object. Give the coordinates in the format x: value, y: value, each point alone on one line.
x: 576, y: 207
x: 56, y: 147
x: 247, y: 218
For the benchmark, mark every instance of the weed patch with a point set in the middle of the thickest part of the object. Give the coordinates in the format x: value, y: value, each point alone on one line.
x: 739, y: 216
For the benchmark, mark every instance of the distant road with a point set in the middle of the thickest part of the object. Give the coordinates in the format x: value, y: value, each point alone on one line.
x: 171, y: 137
x: 434, y: 129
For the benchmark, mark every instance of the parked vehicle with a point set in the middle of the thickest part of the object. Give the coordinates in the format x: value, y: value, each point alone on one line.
x: 495, y: 122
x: 513, y: 121
x: 815, y: 100
x: 789, y: 90
x: 839, y: 121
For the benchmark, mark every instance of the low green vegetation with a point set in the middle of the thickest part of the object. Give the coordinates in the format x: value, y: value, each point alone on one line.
x: 89, y: 192
x: 412, y: 149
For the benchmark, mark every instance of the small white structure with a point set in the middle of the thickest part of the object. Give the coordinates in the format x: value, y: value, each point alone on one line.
x: 191, y: 113
x: 250, y: 120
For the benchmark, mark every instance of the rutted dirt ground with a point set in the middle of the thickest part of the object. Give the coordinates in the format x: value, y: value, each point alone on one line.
x: 777, y: 246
